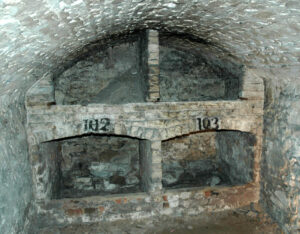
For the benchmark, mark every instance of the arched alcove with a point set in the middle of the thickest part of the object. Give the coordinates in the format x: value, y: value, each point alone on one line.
x: 91, y: 165
x: 148, y: 65
x: 105, y: 71
x: 192, y: 69
x: 208, y: 158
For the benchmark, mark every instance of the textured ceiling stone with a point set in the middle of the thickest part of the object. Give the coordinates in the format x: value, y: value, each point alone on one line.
x: 37, y: 36
x: 41, y: 36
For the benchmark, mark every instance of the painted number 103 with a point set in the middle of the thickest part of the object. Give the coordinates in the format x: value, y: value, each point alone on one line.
x: 208, y: 123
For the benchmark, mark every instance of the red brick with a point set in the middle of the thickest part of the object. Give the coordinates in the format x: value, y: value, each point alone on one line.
x: 118, y: 201
x: 74, y: 212
x: 207, y: 193
x: 101, y: 209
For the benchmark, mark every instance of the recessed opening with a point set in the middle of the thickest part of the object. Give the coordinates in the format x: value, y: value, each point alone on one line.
x: 130, y: 68
x: 93, y: 165
x: 208, y: 158
x: 107, y: 71
x: 192, y: 70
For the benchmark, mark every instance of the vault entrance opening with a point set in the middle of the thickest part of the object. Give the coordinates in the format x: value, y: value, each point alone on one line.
x: 93, y: 165
x: 208, y: 159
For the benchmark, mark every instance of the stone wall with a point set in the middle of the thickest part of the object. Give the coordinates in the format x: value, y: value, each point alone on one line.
x: 107, y: 72
x: 98, y: 165
x: 148, y: 65
x: 280, y: 166
x: 189, y: 160
x: 235, y: 153
x: 15, y: 170
x: 46, y: 169
x: 177, y: 202
x: 189, y: 71
x: 152, y: 123
x: 37, y: 36
x: 208, y: 159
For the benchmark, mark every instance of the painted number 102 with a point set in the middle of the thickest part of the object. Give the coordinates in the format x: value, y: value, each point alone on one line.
x: 97, y: 125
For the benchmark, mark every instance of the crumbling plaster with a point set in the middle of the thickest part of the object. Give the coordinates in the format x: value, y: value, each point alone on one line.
x: 38, y: 37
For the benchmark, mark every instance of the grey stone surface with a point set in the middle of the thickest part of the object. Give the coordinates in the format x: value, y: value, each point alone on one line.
x: 235, y: 152
x: 188, y: 158
x: 15, y: 171
x: 108, y: 72
x: 280, y: 166
x: 95, y: 165
x: 191, y: 71
x: 148, y: 121
x: 208, y: 158
x: 42, y: 36
x: 45, y: 168
x: 152, y: 123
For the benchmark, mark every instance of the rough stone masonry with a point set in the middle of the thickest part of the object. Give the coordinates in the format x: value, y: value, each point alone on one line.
x: 151, y: 123
x: 44, y: 36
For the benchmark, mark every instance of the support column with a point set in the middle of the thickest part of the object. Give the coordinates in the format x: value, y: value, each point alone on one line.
x: 153, y: 65
x: 150, y: 166
x: 156, y: 176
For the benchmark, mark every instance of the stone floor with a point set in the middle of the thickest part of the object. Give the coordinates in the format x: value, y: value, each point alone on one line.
x: 241, y: 221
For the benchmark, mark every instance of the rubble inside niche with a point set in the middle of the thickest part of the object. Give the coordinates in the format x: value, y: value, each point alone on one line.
x: 99, y: 165
x: 208, y: 159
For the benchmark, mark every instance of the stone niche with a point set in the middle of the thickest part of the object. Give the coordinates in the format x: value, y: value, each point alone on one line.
x: 208, y: 159
x: 192, y: 70
x: 108, y: 71
x: 92, y: 165
x: 147, y: 65
x: 144, y: 124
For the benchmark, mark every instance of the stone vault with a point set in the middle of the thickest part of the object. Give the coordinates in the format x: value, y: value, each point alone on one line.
x: 93, y: 185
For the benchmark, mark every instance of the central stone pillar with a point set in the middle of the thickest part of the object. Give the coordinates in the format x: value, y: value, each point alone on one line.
x: 151, y: 170
x: 153, y: 65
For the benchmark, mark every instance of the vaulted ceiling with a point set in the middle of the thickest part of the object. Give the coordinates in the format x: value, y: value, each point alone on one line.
x: 38, y: 36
